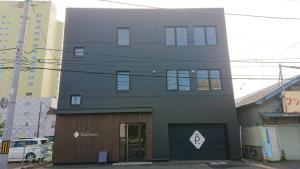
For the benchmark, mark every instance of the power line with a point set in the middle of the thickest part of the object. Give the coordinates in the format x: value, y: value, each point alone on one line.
x: 261, y: 16
x: 139, y: 75
x: 43, y: 35
x: 7, y: 49
x: 130, y: 4
x: 155, y: 59
x: 230, y: 14
x: 289, y: 47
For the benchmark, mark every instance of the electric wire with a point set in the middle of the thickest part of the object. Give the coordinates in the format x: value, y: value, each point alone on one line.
x: 40, y: 28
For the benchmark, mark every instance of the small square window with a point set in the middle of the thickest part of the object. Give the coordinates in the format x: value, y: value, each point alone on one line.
x: 123, y: 36
x: 123, y: 81
x: 79, y: 51
x: 75, y: 100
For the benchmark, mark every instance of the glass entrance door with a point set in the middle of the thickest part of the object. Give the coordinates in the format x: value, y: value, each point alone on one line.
x: 133, y: 142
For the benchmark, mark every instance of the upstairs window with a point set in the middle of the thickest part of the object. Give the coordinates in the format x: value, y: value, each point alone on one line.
x: 184, y: 80
x: 199, y: 36
x: 78, y: 51
x: 170, y: 36
x: 123, y: 81
x: 171, y: 79
x: 181, y: 36
x: 178, y: 80
x: 75, y: 100
x: 211, y: 35
x: 176, y: 36
x: 202, y: 80
x: 215, y: 79
x: 123, y: 36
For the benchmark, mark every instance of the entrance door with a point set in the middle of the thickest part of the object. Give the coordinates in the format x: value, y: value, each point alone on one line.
x: 133, y: 142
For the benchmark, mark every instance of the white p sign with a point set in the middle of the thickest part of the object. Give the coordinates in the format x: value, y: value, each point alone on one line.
x: 197, y: 139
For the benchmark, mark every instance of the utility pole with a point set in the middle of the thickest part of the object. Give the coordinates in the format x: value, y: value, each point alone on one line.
x: 38, y: 127
x: 13, y: 89
x: 281, y: 83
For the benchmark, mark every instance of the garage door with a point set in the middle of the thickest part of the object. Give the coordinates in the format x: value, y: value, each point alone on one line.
x: 213, y: 148
x: 290, y: 139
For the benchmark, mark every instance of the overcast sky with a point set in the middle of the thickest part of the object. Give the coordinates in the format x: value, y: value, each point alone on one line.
x: 248, y: 37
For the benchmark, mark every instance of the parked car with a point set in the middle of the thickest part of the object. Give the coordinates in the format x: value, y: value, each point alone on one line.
x: 29, y: 149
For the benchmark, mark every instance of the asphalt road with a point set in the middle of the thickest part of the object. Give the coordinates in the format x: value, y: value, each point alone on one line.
x: 181, y: 165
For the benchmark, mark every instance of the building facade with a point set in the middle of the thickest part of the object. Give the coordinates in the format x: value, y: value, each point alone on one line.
x: 43, y: 31
x: 34, y: 117
x: 270, y: 122
x: 145, y: 85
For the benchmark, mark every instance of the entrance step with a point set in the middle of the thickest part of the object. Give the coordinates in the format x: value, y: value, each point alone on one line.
x: 131, y: 163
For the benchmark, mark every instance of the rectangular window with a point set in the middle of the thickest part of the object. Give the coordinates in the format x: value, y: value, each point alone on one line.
x: 78, y: 51
x: 211, y: 35
x: 123, y: 81
x: 215, y: 79
x: 75, y: 100
x: 199, y: 36
x: 202, y: 80
x: 28, y: 94
x: 172, y: 79
x: 181, y: 36
x: 184, y: 80
x: 123, y: 36
x: 170, y: 36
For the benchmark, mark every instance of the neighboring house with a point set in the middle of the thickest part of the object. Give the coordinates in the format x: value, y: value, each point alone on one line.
x: 32, y: 117
x: 49, y: 124
x: 146, y: 84
x: 43, y: 30
x: 270, y: 124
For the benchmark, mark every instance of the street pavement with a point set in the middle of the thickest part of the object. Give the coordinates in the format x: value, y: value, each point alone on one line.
x: 180, y: 165
x: 17, y: 165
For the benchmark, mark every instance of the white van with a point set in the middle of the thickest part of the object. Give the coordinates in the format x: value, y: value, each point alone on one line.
x: 32, y: 149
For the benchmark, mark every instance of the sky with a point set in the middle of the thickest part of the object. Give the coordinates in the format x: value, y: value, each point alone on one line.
x: 274, y: 40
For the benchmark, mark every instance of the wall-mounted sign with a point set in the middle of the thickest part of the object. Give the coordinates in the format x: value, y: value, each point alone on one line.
x: 4, y: 147
x: 197, y: 139
x: 85, y: 134
x: 3, y: 102
x: 291, y: 101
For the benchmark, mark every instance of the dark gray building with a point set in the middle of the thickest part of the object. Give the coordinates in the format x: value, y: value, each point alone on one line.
x: 146, y: 84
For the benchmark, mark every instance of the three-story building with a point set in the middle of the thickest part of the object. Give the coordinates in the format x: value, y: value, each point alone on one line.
x: 146, y: 84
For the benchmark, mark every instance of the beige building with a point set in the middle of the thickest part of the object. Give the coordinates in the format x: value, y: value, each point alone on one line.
x: 43, y: 31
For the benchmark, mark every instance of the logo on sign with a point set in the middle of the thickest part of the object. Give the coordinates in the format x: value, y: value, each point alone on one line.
x: 76, y: 134
x: 197, y: 139
x: 85, y: 134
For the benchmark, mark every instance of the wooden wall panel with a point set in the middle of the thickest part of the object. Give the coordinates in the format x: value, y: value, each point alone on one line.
x: 104, y: 135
